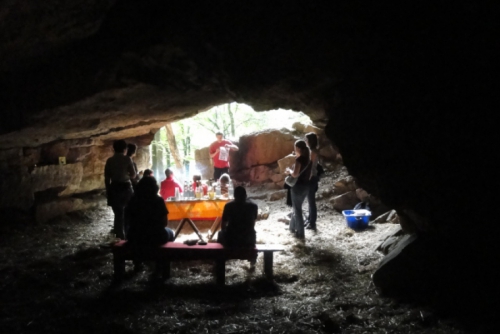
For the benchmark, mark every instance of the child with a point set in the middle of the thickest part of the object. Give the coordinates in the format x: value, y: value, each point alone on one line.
x: 224, y: 184
x: 196, y: 179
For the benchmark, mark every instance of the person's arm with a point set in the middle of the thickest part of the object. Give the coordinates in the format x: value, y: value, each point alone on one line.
x: 131, y: 170
x: 215, y: 153
x: 107, y: 176
x: 231, y: 146
x: 296, y: 170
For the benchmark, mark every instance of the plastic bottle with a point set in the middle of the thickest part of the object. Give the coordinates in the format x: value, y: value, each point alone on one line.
x: 177, y: 194
x: 217, y: 189
x: 230, y: 190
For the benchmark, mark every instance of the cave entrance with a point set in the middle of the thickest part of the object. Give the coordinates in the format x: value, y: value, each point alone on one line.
x: 175, y: 144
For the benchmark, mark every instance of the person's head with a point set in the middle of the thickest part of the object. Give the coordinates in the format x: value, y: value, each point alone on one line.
x: 219, y: 136
x: 312, y: 140
x: 240, y: 194
x: 120, y: 146
x: 131, y: 149
x: 148, y: 172
x: 224, y: 178
x: 301, y: 148
x: 146, y: 188
x: 196, y: 178
x: 168, y: 173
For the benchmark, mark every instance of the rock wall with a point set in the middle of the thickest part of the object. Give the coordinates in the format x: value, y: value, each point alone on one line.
x: 409, y: 93
x: 33, y: 179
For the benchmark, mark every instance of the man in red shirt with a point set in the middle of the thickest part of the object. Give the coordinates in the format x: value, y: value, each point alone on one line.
x: 219, y: 152
x: 168, y: 185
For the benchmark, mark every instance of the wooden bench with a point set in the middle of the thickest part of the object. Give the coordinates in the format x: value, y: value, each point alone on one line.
x: 174, y: 251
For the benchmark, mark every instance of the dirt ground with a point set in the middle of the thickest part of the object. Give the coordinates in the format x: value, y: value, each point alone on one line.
x: 57, y: 278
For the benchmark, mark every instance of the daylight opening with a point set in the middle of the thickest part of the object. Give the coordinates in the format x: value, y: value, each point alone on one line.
x: 175, y: 145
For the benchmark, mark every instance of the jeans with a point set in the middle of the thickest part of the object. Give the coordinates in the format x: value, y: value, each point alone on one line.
x: 119, y: 222
x: 299, y: 194
x: 311, y: 199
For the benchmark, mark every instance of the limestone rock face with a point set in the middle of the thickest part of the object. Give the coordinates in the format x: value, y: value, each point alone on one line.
x: 411, y: 121
x: 263, y: 148
x: 346, y: 201
x: 203, y: 163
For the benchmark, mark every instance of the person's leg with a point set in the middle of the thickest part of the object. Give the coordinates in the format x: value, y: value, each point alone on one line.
x: 311, y: 199
x: 299, y: 194
x: 118, y: 210
x: 217, y: 173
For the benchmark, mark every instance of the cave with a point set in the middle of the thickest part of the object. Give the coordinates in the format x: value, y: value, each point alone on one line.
x: 406, y: 93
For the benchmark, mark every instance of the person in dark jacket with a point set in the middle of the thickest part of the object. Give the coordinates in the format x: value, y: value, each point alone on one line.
x: 119, y: 171
x: 148, y: 216
x: 238, y: 221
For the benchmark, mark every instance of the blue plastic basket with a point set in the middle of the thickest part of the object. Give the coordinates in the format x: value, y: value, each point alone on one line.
x: 357, y: 219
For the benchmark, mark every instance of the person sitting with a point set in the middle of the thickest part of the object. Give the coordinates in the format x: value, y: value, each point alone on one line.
x: 148, y: 217
x: 168, y: 185
x: 224, y: 184
x: 238, y: 221
x: 196, y: 180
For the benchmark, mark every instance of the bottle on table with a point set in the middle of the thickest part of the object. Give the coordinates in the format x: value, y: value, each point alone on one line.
x: 211, y: 192
x: 199, y: 190
x: 217, y: 189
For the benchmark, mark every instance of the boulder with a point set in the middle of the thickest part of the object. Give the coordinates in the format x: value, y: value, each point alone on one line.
x: 203, y: 163
x: 277, y: 195
x: 277, y: 177
x: 286, y: 162
x: 390, y: 239
x: 260, y: 174
x: 327, y: 152
x: 262, y: 148
x: 344, y: 185
x: 345, y: 201
x: 46, y: 211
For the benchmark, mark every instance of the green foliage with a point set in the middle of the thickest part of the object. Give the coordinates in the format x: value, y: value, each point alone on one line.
x: 233, y: 119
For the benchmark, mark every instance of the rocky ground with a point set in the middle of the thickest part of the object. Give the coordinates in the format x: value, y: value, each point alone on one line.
x: 57, y: 278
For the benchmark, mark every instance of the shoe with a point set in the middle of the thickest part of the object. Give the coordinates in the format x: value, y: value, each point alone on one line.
x: 309, y: 227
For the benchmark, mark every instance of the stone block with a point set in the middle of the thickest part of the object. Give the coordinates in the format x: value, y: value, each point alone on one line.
x: 345, y: 201
x: 277, y: 195
x: 286, y: 162
x: 54, y: 176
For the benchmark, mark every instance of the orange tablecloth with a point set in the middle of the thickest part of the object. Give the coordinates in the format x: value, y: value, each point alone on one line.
x: 196, y: 209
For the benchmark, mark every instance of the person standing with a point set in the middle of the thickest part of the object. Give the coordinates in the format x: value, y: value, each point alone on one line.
x: 219, y: 152
x: 118, y: 173
x: 131, y: 151
x: 312, y: 143
x: 302, y: 172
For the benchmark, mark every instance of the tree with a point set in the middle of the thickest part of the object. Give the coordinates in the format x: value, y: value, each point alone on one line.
x: 173, y: 146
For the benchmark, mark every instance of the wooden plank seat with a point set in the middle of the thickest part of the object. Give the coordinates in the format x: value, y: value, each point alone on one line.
x: 174, y: 251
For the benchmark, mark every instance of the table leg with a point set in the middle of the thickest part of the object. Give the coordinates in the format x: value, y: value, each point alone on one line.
x: 215, y: 226
x: 190, y: 222
x: 268, y: 264
x: 179, y: 228
x: 220, y: 271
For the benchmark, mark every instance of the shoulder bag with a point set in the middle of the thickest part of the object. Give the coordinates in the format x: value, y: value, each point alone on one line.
x: 291, y: 181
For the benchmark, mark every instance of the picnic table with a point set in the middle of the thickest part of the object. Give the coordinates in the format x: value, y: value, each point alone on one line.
x: 191, y: 210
